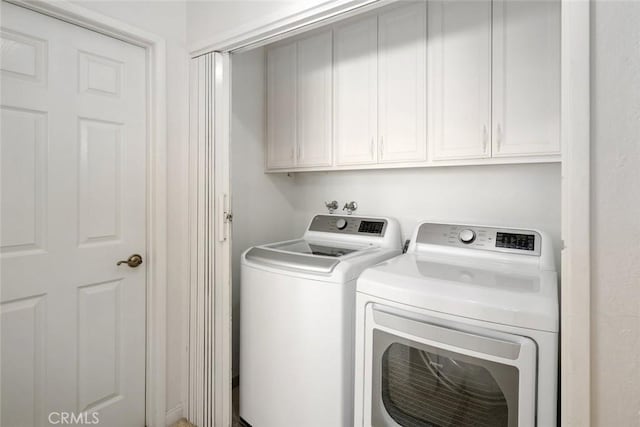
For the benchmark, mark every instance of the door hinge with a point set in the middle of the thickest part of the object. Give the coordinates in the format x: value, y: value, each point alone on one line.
x: 228, y: 217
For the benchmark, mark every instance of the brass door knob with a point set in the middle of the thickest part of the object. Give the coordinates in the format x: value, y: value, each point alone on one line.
x: 133, y: 261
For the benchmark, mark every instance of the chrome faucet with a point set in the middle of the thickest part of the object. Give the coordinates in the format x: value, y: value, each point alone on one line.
x: 331, y: 206
x: 350, y: 207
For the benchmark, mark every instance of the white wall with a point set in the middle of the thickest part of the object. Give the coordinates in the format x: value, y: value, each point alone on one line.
x: 262, y: 204
x: 615, y: 220
x: 514, y: 195
x: 168, y: 20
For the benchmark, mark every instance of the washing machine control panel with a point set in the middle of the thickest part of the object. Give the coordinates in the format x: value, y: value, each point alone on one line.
x: 525, y: 242
x: 349, y: 225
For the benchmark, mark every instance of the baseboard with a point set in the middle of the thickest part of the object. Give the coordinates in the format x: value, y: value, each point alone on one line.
x: 174, y: 414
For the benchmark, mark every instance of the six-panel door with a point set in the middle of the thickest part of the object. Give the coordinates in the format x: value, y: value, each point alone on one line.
x: 73, y: 150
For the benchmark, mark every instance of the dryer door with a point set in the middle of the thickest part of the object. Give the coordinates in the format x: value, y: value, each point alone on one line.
x: 429, y: 374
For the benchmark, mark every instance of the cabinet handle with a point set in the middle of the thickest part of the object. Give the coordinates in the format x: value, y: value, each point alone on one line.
x: 485, y: 138
x: 498, y: 136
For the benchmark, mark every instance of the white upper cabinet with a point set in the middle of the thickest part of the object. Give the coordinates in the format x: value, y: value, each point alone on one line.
x: 419, y: 83
x: 459, y: 79
x: 299, y: 103
x: 281, y: 106
x: 402, y: 106
x: 526, y: 77
x: 355, y: 77
x: 314, y: 101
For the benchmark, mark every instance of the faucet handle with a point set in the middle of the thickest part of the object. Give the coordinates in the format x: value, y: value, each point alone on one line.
x: 350, y: 207
x: 331, y: 206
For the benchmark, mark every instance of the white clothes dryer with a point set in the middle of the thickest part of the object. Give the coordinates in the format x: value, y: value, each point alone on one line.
x: 460, y: 330
x: 297, y: 314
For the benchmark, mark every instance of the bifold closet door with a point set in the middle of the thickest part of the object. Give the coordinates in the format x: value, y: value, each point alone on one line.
x: 209, y: 400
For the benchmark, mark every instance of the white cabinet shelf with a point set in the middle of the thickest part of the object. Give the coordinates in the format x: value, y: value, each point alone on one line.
x: 422, y: 84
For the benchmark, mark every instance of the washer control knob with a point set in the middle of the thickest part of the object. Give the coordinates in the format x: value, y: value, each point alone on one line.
x: 341, y: 223
x: 467, y: 236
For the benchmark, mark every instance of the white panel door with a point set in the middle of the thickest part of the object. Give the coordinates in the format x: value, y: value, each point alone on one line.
x: 355, y: 115
x: 281, y: 106
x: 73, y: 204
x: 402, y: 77
x: 459, y: 79
x: 314, y: 100
x: 526, y: 77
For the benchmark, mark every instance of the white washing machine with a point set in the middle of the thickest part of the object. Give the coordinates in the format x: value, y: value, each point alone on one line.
x: 460, y: 330
x: 297, y: 314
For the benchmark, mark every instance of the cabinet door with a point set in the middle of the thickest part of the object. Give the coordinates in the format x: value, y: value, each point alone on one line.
x: 459, y: 79
x: 314, y: 101
x: 402, y: 75
x: 281, y: 106
x: 526, y: 77
x: 355, y: 94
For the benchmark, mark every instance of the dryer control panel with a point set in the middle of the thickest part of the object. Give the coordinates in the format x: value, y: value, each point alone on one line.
x: 524, y: 242
x: 373, y: 227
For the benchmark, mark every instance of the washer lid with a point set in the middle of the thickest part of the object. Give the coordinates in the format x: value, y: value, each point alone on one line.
x: 317, y: 257
x: 312, y: 248
x: 491, y: 292
x: 291, y: 261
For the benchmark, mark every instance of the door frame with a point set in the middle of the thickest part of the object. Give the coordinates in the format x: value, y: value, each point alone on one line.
x: 575, y: 391
x: 156, y: 194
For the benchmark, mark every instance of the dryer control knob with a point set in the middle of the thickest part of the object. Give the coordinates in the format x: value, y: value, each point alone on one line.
x: 341, y: 223
x: 467, y: 236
